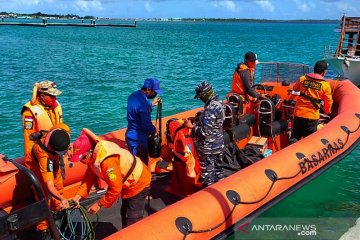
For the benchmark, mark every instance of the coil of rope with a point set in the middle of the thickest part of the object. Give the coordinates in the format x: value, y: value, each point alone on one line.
x: 73, y: 223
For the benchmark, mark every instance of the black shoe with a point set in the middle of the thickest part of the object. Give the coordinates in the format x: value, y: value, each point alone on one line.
x: 46, y: 235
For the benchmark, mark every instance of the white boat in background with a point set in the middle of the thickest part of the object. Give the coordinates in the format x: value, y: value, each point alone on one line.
x: 346, y: 60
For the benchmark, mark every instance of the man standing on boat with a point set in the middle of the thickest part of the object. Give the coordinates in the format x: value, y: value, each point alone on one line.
x: 47, y: 165
x: 41, y: 113
x: 139, y: 111
x: 243, y: 76
x: 209, y: 134
x: 314, y: 90
x: 126, y: 176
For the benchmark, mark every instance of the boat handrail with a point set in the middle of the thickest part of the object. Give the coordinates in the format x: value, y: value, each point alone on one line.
x: 278, y: 72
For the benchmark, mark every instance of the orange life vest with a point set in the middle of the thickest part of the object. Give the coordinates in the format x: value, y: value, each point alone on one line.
x: 104, y: 149
x: 39, y: 120
x: 237, y: 85
x: 43, y: 121
x: 184, y: 147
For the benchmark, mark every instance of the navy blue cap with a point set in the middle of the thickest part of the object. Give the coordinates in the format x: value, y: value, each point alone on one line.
x: 153, y: 84
x: 250, y: 56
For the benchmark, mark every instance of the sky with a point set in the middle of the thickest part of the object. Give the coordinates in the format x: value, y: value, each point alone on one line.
x: 249, y: 9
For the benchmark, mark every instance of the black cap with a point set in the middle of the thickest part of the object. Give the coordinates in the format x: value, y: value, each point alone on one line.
x: 202, y: 88
x: 59, y: 141
x: 320, y: 66
x: 250, y: 56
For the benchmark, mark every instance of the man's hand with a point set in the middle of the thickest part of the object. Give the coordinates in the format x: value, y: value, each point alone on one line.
x: 64, y: 204
x: 76, y: 200
x: 94, y: 208
x: 156, y: 101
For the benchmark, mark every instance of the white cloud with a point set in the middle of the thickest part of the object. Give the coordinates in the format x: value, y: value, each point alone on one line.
x: 303, y: 6
x: 227, y: 4
x: 148, y: 6
x: 266, y: 5
x: 86, y: 6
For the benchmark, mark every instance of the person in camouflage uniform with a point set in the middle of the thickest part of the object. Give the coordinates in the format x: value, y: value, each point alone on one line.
x: 209, y: 134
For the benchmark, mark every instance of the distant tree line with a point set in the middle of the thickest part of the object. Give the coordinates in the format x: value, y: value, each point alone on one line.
x: 257, y: 20
x: 44, y: 15
x: 74, y: 16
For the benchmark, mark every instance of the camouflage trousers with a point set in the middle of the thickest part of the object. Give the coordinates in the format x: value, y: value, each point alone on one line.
x: 211, y: 167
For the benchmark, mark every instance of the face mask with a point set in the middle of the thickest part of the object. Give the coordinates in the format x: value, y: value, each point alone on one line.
x: 48, y: 101
x: 152, y: 96
x: 203, y: 98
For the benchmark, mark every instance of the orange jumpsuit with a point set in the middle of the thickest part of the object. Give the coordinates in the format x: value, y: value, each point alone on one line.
x: 112, y: 175
x: 314, y: 86
x: 112, y: 164
x: 46, y: 168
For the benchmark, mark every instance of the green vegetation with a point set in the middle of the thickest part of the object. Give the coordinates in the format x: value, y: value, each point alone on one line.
x: 257, y: 20
x: 43, y: 15
x: 73, y: 16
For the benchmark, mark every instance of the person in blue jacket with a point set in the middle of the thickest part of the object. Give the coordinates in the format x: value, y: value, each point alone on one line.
x: 139, y: 110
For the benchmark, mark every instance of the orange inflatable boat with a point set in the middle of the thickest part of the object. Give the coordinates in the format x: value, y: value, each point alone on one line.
x: 253, y: 184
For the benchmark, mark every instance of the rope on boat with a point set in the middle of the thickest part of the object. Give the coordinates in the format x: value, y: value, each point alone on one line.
x: 184, y: 225
x: 236, y: 200
x: 330, y: 147
x: 215, y: 227
x: 74, y: 223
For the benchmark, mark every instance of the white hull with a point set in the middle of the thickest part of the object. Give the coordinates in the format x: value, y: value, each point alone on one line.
x: 346, y: 68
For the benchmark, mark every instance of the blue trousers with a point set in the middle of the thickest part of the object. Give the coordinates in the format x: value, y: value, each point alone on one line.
x: 139, y: 149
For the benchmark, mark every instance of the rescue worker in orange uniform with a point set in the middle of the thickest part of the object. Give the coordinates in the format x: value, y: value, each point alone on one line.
x: 46, y: 155
x: 125, y: 174
x: 41, y: 113
x: 242, y: 79
x: 313, y: 89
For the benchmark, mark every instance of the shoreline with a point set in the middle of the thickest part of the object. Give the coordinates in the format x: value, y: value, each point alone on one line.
x: 39, y: 15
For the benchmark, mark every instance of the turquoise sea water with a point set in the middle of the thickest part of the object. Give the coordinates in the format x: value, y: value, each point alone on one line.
x: 97, y: 68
